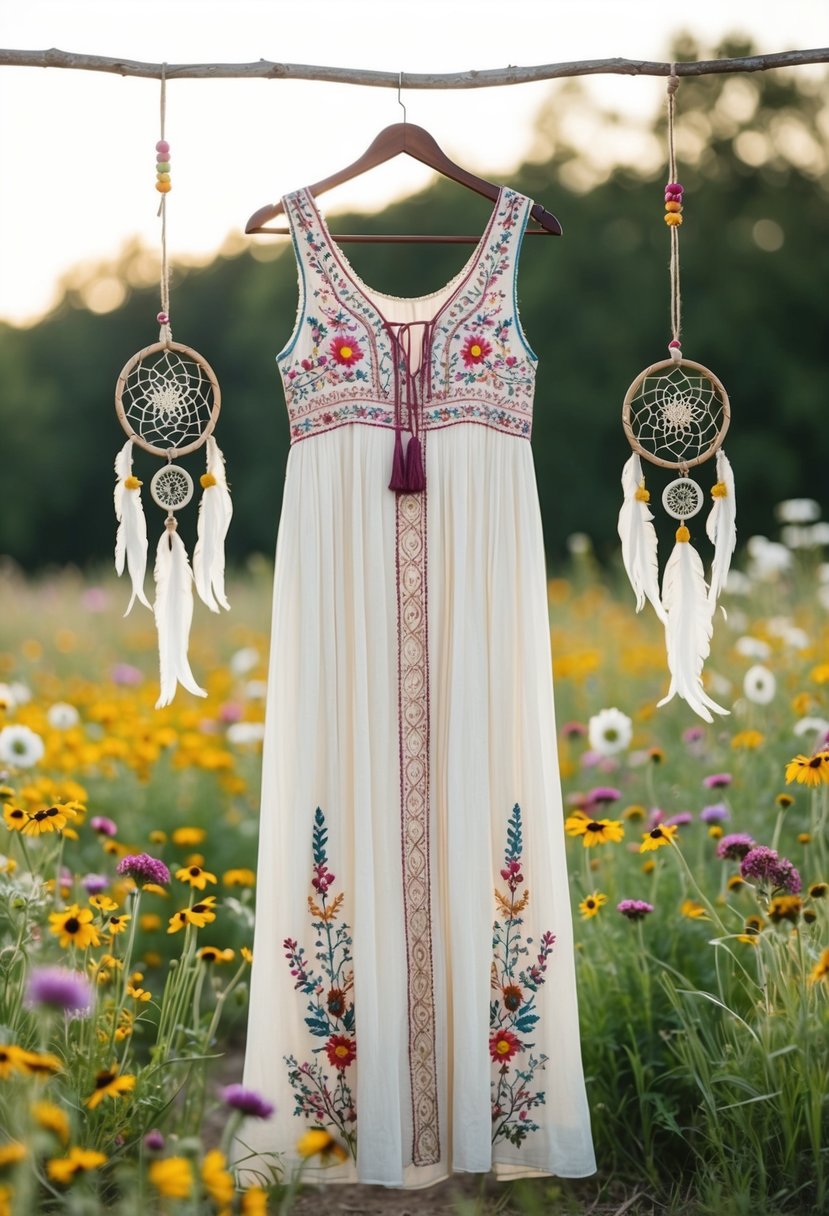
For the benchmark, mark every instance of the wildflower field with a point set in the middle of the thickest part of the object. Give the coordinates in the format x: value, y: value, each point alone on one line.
x: 699, y: 881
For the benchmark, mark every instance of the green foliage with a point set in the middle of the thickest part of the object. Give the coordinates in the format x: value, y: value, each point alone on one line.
x: 752, y: 154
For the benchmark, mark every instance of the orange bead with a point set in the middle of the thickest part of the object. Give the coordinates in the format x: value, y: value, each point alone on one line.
x: 163, y: 187
x: 673, y: 219
x: 673, y: 206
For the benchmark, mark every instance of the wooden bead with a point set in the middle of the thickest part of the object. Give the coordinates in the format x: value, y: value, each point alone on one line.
x: 673, y: 219
x: 673, y: 206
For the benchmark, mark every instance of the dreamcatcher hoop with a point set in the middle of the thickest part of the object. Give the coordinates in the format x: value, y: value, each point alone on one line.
x: 168, y: 403
x: 686, y: 423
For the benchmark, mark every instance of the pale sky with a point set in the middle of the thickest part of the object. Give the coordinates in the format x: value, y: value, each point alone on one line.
x: 78, y: 148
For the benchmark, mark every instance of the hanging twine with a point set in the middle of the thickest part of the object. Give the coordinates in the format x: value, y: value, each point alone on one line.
x: 673, y: 217
x: 163, y: 186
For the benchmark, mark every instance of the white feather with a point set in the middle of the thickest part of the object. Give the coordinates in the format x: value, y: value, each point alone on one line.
x: 688, y: 629
x: 215, y: 511
x: 131, y: 538
x: 638, y: 538
x: 721, y: 527
x: 173, y: 616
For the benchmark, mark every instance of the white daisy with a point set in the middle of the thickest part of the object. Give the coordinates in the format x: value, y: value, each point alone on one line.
x: 244, y: 660
x: 246, y: 732
x: 256, y: 690
x: 6, y: 697
x: 759, y: 685
x: 609, y: 731
x: 62, y: 716
x: 797, y: 511
x: 768, y: 558
x: 752, y: 648
x: 21, y: 693
x: 808, y: 726
x: 737, y: 583
x: 20, y: 746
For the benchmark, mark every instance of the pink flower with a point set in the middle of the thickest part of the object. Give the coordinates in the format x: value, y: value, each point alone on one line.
x: 475, y: 350
x: 345, y: 351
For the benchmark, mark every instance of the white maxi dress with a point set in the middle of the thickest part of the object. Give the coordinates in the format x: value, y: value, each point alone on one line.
x: 413, y: 987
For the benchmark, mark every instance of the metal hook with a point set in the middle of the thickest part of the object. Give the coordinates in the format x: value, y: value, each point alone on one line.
x: 399, y: 98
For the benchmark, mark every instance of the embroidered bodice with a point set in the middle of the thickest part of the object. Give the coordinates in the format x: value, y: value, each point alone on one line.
x: 465, y: 361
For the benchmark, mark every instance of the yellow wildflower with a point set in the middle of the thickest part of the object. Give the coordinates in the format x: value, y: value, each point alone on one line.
x: 109, y: 1084
x: 246, y: 954
x: 218, y: 1182
x: 809, y: 770
x: 16, y: 818
x: 820, y: 971
x: 662, y: 834
x: 254, y: 1202
x: 116, y: 924
x: 149, y: 922
x: 79, y: 1160
x: 693, y: 909
x: 594, y: 831
x: 11, y: 1153
x: 103, y: 903
x: 212, y: 954
x: 239, y: 878
x: 52, y: 1118
x: 73, y: 928
x: 195, y: 876
x: 591, y: 904
x: 200, y: 914
x: 172, y: 1177
x: 748, y: 740
x: 188, y: 836
x: 40, y: 1063
x: 319, y: 1141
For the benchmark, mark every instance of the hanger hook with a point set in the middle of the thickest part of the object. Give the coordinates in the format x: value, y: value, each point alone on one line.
x: 400, y: 101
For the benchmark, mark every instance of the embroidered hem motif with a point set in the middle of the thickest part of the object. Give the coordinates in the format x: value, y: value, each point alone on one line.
x: 327, y: 1102
x: 413, y: 711
x: 512, y: 1013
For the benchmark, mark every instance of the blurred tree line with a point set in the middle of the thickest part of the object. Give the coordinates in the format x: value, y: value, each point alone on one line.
x: 752, y: 152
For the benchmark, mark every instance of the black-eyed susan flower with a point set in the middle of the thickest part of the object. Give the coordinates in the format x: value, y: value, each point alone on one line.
x: 172, y: 1177
x: 693, y: 909
x: 634, y: 811
x: 77, y: 1161
x: 15, y: 818
x: 658, y: 836
x: 784, y: 801
x: 809, y: 770
x: 41, y: 1064
x: 319, y: 1142
x: 594, y: 831
x: 10, y: 1059
x: 73, y: 927
x: 113, y: 925
x: 239, y: 877
x: 109, y: 1084
x: 736, y: 882
x: 218, y: 1181
x: 188, y: 836
x: 11, y: 1153
x: 754, y: 924
x: 52, y: 1118
x: 804, y: 838
x: 591, y: 904
x: 212, y: 954
x: 254, y: 1202
x: 48, y: 819
x: 195, y: 876
x: 785, y: 907
x: 199, y: 915
x: 648, y: 865
x: 820, y: 971
x: 748, y: 740
x: 818, y: 890
x: 103, y: 903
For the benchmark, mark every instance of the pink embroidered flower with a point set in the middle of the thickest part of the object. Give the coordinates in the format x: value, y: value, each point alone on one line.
x: 341, y: 1050
x: 475, y: 349
x: 345, y: 351
x: 503, y: 1045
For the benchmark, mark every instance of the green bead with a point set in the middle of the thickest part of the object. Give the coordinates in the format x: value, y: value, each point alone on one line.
x: 163, y: 166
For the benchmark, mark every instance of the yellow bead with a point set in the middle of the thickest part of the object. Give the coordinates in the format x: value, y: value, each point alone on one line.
x: 673, y: 219
x: 682, y: 534
x: 163, y: 177
x: 163, y: 187
x: 673, y: 206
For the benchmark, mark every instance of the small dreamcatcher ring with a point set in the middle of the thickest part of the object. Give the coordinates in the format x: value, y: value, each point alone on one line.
x: 171, y: 487
x: 676, y: 414
x: 683, y: 498
x: 167, y: 399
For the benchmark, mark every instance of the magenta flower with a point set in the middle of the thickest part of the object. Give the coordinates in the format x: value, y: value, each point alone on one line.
x: 94, y: 884
x: 770, y: 870
x: 247, y: 1101
x: 102, y: 825
x: 680, y: 819
x: 717, y: 781
x: 573, y: 730
x: 154, y: 1141
x: 126, y: 675
x: 603, y: 795
x: 634, y: 909
x: 735, y: 846
x: 144, y: 868
x: 715, y: 813
x: 58, y: 988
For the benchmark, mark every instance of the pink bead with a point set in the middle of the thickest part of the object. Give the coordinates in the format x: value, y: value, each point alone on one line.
x: 161, y: 157
x: 162, y: 318
x: 675, y: 186
x: 162, y: 146
x: 674, y: 345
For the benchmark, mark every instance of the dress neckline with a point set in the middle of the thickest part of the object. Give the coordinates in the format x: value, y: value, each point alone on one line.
x: 370, y: 294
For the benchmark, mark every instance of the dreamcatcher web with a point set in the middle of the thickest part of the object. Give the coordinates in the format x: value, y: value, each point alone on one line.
x: 168, y: 400
x: 677, y: 415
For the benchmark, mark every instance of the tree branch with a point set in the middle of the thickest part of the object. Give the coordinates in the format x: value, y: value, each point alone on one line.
x: 472, y: 79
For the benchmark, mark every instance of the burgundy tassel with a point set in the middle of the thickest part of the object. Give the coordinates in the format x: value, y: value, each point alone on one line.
x: 398, y: 474
x: 415, y: 475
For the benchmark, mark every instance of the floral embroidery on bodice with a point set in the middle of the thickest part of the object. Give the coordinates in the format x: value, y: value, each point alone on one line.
x: 348, y: 363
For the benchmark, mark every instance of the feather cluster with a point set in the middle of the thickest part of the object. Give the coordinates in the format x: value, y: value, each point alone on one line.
x: 686, y: 604
x: 174, y: 579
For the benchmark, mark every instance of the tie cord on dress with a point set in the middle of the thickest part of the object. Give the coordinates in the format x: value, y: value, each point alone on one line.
x: 408, y: 474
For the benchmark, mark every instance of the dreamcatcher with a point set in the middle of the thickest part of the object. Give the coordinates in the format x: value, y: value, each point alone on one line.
x: 167, y: 399
x: 675, y: 415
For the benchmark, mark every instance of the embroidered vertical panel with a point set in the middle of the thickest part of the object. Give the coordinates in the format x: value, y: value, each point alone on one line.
x: 413, y: 710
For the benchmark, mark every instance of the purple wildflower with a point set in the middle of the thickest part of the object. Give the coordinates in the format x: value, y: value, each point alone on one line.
x: 634, y: 909
x: 154, y: 1141
x: 247, y: 1101
x: 94, y: 884
x: 693, y: 734
x: 717, y: 781
x: 573, y: 730
x: 59, y: 988
x: 106, y: 827
x: 735, y: 846
x: 603, y: 795
x: 769, y: 869
x: 126, y: 675
x: 680, y: 818
x: 715, y: 813
x: 144, y: 868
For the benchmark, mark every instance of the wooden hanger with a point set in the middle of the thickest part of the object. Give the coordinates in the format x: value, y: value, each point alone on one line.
x: 417, y: 142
